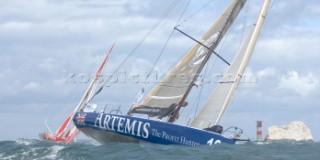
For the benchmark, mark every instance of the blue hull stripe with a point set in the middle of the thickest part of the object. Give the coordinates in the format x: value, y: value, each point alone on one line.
x: 148, y: 130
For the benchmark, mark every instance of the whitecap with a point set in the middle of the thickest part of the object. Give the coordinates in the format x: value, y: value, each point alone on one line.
x: 30, y: 151
x: 7, y: 157
x: 54, y: 150
x: 23, y: 141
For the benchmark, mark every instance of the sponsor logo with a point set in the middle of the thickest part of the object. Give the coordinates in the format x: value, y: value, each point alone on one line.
x: 123, y: 125
x: 202, y: 51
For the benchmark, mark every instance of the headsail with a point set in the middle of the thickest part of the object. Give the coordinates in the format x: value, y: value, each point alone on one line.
x: 89, y: 92
x: 218, y: 101
x: 73, y: 132
x: 174, y: 88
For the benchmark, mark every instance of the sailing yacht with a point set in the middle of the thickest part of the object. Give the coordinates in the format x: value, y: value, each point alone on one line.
x: 165, y: 101
x: 67, y: 132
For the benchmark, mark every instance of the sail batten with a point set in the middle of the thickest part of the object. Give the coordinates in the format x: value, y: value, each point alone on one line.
x: 216, y: 105
x: 181, y: 78
x: 172, y: 97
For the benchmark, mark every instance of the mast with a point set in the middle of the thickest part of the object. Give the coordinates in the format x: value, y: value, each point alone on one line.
x: 216, y: 105
x: 169, y: 96
x: 175, y: 114
x: 89, y: 92
x: 73, y: 132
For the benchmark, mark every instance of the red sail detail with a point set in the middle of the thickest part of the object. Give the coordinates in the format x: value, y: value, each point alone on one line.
x: 73, y: 136
x: 92, y: 85
x: 73, y: 132
x: 70, y: 132
x: 64, y: 125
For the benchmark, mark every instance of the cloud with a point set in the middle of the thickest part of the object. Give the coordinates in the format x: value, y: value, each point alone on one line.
x: 266, y: 72
x: 302, y: 85
x: 43, y: 40
x: 47, y: 64
x: 32, y: 86
x: 314, y: 8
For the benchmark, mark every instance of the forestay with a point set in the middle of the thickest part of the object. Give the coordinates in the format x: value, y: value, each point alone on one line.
x: 214, y: 108
x: 177, y: 84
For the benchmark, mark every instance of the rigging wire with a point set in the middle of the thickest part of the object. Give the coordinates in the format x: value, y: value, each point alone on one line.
x: 166, y: 43
x: 167, y: 11
x: 176, y: 62
x: 201, y: 89
x: 221, y: 46
x: 197, y: 11
x: 149, y: 32
x: 236, y: 94
x: 197, y: 100
x: 215, y: 59
x: 192, y: 106
x: 272, y: 3
x: 244, y: 23
x: 163, y: 48
x: 203, y: 6
x: 205, y: 71
x: 226, y: 37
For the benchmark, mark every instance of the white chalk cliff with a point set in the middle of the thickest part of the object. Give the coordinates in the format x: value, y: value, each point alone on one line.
x: 296, y: 131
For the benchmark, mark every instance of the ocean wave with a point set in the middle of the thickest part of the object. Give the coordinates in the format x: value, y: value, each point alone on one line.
x: 8, y: 157
x: 30, y: 149
x: 24, y: 141
x: 45, y: 150
x: 53, y: 152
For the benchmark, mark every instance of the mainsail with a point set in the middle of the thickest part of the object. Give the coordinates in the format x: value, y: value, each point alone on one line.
x: 170, y: 94
x: 212, y: 111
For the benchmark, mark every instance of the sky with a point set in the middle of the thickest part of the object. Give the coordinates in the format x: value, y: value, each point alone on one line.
x: 44, y: 42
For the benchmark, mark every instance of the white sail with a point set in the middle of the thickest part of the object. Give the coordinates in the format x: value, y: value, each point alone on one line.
x: 177, y: 84
x: 216, y: 105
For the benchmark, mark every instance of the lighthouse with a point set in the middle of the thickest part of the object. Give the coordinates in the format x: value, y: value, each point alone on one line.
x: 259, y: 131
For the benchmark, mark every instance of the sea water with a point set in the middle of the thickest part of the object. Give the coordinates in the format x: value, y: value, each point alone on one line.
x: 43, y: 150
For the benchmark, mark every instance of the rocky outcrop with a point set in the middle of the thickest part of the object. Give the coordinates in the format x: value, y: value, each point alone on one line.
x: 296, y: 131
